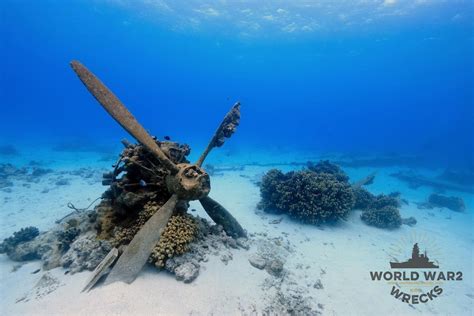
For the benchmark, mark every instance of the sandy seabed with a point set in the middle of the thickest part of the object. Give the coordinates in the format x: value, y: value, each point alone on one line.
x: 328, y: 265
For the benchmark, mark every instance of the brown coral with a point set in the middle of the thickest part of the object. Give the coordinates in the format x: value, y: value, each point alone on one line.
x: 311, y: 197
x: 123, y: 234
x: 180, y: 231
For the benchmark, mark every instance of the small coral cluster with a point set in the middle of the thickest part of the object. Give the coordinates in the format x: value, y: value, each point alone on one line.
x: 386, y: 217
x: 10, y: 174
x: 123, y: 234
x: 209, y: 240
x: 24, y: 235
x: 378, y: 210
x: 180, y: 231
x: 319, y: 195
x: 85, y: 253
x: 66, y: 237
x: 364, y: 200
x: 325, y: 166
x: 56, y: 246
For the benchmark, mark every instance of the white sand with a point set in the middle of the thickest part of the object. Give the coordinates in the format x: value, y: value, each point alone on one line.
x: 346, y: 253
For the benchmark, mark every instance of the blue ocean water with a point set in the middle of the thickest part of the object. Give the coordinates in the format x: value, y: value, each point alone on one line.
x: 357, y: 77
x: 384, y: 88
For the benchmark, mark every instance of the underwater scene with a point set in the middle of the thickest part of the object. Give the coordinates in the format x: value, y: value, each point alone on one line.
x: 237, y: 157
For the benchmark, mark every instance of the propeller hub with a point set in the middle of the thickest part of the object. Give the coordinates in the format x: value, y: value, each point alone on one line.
x: 189, y: 183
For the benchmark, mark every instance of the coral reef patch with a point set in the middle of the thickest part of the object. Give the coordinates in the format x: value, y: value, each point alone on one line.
x: 386, y: 217
x: 322, y: 194
x: 364, y: 200
x: 325, y: 166
x: 85, y: 253
x: 380, y: 210
x: 52, y: 245
x: 312, y: 197
x: 9, y: 245
x: 180, y: 231
x: 12, y: 175
x: 210, y: 239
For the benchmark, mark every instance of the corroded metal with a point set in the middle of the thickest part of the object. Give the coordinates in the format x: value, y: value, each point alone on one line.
x: 216, y: 211
x: 185, y: 182
x: 190, y: 183
x: 221, y: 216
x: 225, y: 130
x: 119, y: 112
x: 101, y: 269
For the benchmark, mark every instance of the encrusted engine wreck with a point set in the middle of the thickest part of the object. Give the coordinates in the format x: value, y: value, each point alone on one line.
x: 143, y: 214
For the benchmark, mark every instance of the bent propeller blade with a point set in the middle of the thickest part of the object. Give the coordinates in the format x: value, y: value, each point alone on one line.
x: 225, y: 130
x: 120, y: 113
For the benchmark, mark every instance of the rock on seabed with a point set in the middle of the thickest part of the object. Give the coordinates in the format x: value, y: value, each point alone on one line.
x: 257, y: 261
x: 187, y: 272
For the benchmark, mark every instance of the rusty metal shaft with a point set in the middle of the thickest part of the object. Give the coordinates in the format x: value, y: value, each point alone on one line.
x: 119, y: 112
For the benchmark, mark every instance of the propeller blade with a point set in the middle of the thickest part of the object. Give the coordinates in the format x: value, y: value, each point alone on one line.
x: 101, y: 269
x: 222, y: 217
x: 120, y: 113
x: 138, y: 251
x: 225, y: 130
